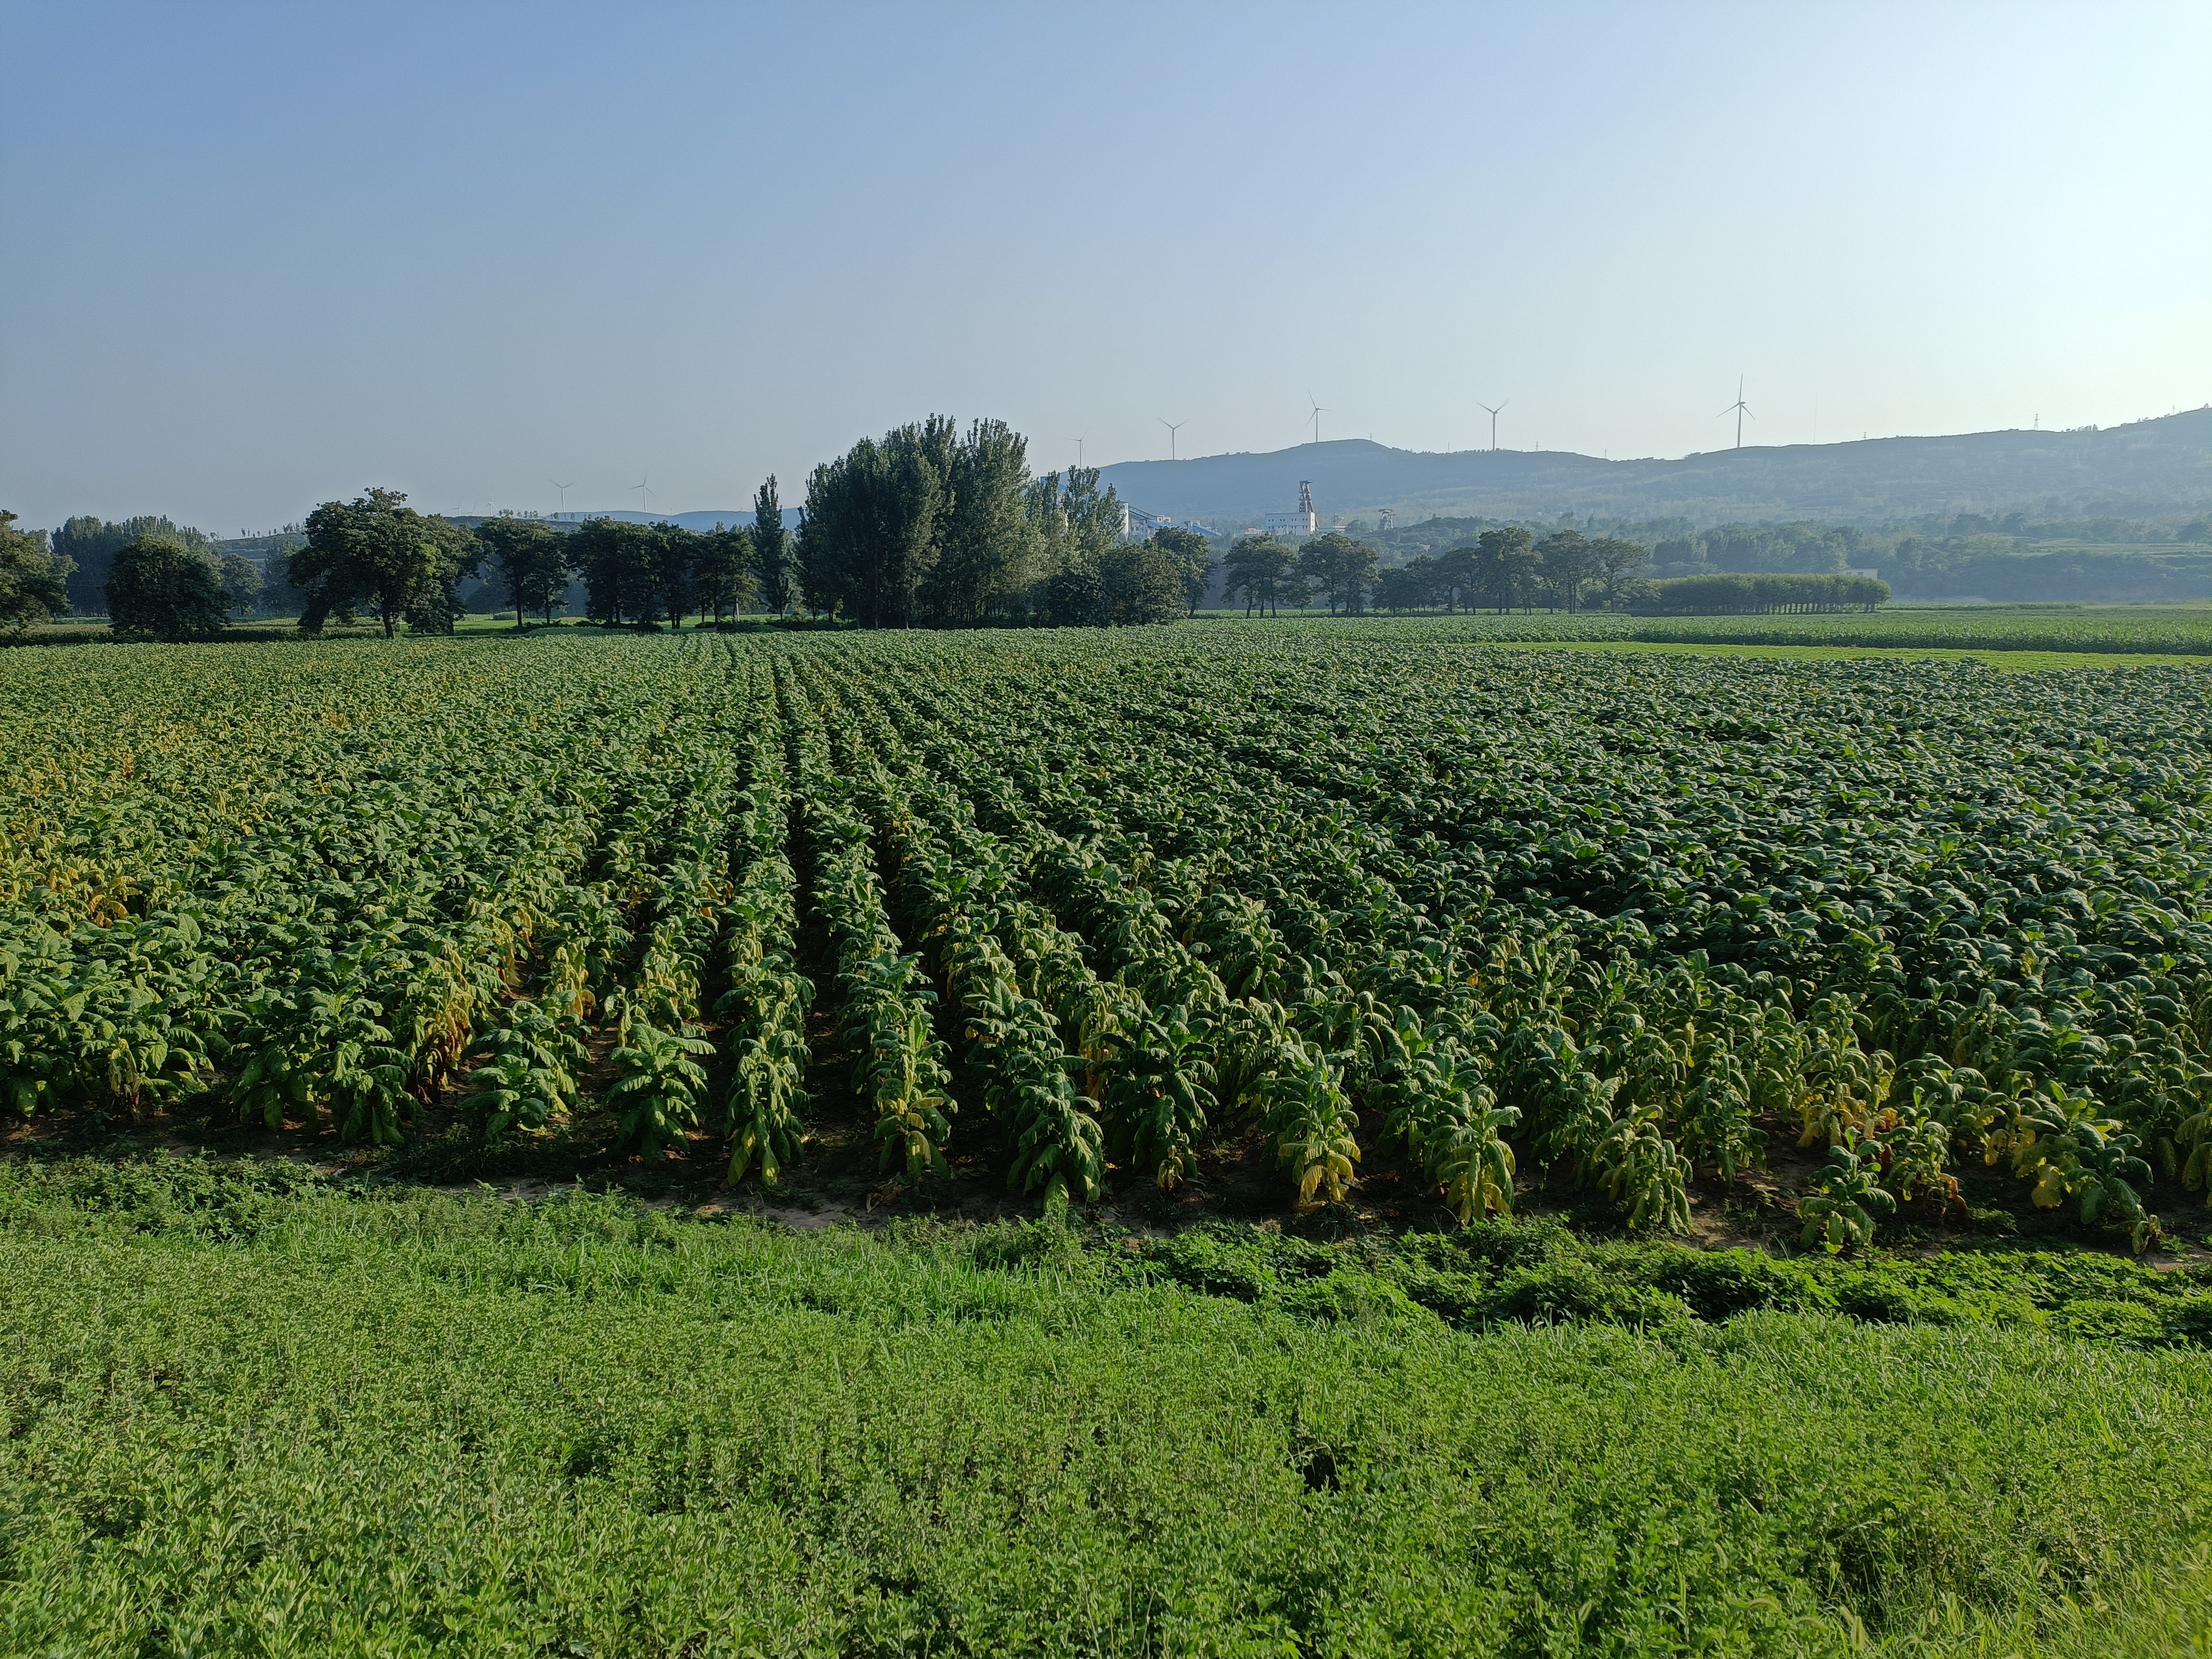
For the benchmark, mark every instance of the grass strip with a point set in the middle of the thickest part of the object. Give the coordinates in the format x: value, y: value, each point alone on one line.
x: 249, y: 1413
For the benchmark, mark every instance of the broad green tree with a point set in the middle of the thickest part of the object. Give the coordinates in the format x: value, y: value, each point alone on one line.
x: 241, y: 583
x: 1617, y: 562
x: 1194, y: 550
x: 158, y: 588
x: 532, y: 560
x: 1141, y: 584
x: 1455, y: 576
x: 670, y: 552
x: 377, y: 554
x: 435, y: 604
x: 1567, y: 563
x: 1264, y: 574
x: 34, y: 582
x: 88, y: 545
x: 1412, y: 585
x: 1505, y: 567
x: 613, y: 557
x: 1339, y: 568
x: 723, y: 564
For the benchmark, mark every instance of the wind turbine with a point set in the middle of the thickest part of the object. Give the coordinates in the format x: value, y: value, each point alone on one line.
x: 1319, y: 410
x: 1493, y: 413
x: 1173, y: 427
x: 1079, y: 451
x: 564, y: 489
x: 1739, y: 409
x: 645, y: 499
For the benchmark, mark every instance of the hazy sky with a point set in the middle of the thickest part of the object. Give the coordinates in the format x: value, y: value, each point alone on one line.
x: 257, y: 258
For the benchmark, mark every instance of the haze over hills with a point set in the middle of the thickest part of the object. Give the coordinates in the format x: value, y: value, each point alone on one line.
x: 730, y: 518
x: 2152, y: 466
x: 2144, y: 469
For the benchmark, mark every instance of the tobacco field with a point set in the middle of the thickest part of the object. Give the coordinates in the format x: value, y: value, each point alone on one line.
x: 1093, y: 908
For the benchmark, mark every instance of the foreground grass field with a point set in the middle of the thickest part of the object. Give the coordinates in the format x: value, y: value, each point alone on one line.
x: 248, y: 1415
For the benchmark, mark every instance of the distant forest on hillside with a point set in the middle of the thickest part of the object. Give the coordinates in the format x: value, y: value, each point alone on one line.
x: 2014, y: 559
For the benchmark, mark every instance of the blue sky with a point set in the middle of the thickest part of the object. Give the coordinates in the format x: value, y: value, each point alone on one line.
x: 260, y: 256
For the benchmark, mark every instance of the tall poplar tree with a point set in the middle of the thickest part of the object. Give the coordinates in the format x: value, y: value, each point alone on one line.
x: 773, y: 566
x: 985, y: 548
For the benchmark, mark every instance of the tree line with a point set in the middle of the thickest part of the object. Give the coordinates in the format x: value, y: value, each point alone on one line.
x: 170, y: 581
x: 1505, y: 568
x: 1739, y: 593
x: 86, y: 547
x: 927, y: 526
x: 375, y: 555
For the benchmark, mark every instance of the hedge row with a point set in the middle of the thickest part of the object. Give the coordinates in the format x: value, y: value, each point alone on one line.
x: 1741, y: 594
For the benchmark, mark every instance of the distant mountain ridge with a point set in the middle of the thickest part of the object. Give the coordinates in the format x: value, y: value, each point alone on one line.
x: 730, y: 519
x: 2160, y: 465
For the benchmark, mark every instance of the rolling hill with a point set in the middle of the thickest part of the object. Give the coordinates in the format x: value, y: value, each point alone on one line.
x: 2153, y: 466
x: 731, y: 516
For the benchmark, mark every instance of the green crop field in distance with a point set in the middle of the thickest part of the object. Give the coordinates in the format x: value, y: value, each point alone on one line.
x: 2006, y: 659
x: 2156, y: 630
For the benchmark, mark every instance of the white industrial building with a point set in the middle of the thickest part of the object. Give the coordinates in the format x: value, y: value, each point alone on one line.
x: 1298, y: 525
